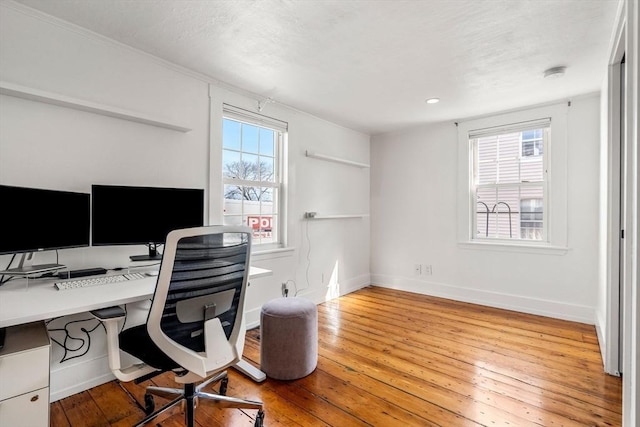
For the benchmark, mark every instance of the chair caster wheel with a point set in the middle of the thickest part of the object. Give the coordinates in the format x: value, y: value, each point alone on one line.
x: 223, y: 386
x: 259, y: 419
x: 149, y: 404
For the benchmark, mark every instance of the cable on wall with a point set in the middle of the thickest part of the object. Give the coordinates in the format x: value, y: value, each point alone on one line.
x: 66, y: 344
x: 308, y: 259
x: 84, y: 341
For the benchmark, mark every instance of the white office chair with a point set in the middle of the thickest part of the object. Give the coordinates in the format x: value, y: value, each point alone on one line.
x: 195, y: 324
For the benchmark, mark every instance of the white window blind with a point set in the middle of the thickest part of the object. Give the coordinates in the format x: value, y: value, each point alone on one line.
x: 510, y: 128
x: 231, y: 112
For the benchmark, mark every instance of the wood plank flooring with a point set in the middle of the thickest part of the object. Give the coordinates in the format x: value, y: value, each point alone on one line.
x: 391, y: 358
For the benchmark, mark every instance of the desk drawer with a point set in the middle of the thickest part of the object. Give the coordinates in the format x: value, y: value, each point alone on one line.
x: 23, y: 372
x: 27, y: 410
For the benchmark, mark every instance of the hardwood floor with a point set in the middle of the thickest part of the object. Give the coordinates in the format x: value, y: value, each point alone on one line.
x: 390, y: 358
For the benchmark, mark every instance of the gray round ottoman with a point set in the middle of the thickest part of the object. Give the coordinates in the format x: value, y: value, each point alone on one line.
x: 288, y: 338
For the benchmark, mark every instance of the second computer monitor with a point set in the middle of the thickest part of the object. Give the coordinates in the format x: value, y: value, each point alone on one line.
x: 126, y: 215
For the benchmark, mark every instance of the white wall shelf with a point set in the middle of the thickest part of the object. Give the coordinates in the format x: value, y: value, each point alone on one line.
x: 19, y: 91
x: 335, y: 159
x: 341, y: 216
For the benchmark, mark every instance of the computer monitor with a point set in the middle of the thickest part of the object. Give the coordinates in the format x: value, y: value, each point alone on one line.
x: 127, y: 215
x: 33, y: 219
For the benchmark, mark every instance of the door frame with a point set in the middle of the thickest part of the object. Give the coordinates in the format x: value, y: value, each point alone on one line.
x: 611, y: 343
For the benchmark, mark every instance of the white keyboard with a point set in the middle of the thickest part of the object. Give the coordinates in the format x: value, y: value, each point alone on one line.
x: 96, y: 281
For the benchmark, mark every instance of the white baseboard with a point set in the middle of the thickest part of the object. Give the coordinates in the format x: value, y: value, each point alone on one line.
x: 607, y: 345
x: 252, y: 317
x: 555, y: 309
x: 81, y: 376
x: 602, y: 338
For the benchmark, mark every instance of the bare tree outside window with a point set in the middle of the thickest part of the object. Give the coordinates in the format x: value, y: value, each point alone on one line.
x: 247, y: 171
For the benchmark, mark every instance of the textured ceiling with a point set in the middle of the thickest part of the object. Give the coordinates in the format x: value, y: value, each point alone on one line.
x: 370, y: 64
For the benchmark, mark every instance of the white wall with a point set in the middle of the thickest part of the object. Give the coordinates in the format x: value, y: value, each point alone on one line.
x: 414, y: 204
x: 47, y: 146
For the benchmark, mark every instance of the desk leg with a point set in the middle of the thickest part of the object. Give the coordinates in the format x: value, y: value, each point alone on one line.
x: 251, y: 371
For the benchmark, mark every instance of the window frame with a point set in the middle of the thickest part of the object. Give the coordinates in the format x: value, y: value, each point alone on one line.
x: 474, y: 136
x: 557, y: 180
x: 280, y: 129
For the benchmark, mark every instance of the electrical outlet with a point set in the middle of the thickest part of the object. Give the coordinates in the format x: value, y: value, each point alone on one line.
x: 285, y: 290
x: 427, y: 270
x: 417, y: 269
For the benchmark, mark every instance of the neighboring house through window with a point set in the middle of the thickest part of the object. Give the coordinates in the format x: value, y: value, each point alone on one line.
x: 512, y: 180
x: 509, y: 181
x: 252, y: 173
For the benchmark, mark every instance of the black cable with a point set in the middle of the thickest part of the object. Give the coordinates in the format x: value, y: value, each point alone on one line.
x: 124, y: 307
x: 8, y: 279
x: 2, y: 279
x: 308, y: 260
x: 84, y: 341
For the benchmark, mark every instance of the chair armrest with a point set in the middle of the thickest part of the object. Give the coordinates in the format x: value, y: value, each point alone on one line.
x: 103, y: 314
x: 110, y: 316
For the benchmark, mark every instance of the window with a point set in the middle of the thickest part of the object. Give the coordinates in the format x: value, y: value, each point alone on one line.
x: 252, y: 173
x: 509, y: 185
x: 515, y: 163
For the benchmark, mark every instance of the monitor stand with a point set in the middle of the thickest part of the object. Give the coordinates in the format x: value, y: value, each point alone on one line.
x: 153, y: 254
x: 27, y: 268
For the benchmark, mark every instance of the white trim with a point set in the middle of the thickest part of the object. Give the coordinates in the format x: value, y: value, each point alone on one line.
x: 513, y: 246
x: 610, y: 342
x: 247, y: 183
x: 263, y: 254
x: 63, y: 380
x: 631, y: 318
x: 318, y: 296
x: 12, y: 89
x: 541, y: 307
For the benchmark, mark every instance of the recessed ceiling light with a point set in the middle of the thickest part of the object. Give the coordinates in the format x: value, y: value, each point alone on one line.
x: 433, y: 100
x: 555, y: 72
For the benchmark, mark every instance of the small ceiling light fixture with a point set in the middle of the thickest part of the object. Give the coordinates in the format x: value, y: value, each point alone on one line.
x: 433, y: 100
x: 555, y: 72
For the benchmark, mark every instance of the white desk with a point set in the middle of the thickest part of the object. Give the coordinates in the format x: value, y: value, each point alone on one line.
x: 20, y: 304
x: 41, y: 300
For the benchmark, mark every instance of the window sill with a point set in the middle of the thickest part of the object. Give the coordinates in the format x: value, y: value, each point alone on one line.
x: 272, y: 252
x: 502, y: 246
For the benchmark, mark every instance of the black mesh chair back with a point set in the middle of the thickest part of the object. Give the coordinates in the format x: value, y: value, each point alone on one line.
x: 200, y: 296
x: 206, y: 281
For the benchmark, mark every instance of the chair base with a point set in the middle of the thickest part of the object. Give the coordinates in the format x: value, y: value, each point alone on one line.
x: 190, y: 396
